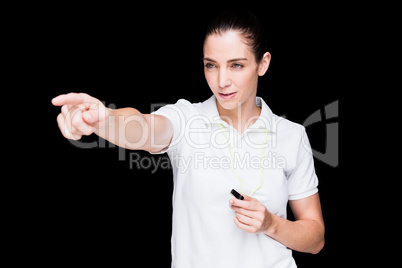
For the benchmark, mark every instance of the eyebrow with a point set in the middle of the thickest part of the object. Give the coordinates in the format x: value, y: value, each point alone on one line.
x: 231, y: 60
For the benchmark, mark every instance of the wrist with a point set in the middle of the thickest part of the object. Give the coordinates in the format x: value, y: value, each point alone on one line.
x: 272, y: 229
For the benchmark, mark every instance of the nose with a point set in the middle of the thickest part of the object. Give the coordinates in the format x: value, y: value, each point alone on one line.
x: 223, y: 79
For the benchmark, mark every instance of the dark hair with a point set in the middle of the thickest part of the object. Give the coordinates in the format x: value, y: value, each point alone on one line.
x: 244, y: 22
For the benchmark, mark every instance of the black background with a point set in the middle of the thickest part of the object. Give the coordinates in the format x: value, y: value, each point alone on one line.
x: 90, y: 206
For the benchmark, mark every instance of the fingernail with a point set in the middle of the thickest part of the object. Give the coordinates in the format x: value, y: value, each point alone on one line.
x: 231, y: 201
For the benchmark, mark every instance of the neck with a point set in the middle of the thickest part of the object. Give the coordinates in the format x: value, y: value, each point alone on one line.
x: 242, y: 117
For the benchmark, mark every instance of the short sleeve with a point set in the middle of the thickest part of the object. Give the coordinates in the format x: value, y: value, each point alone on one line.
x: 177, y: 114
x: 302, y: 180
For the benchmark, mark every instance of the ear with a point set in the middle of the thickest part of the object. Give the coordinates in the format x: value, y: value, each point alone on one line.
x: 264, y: 64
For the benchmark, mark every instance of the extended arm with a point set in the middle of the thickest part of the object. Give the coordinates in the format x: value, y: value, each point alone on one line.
x: 82, y: 114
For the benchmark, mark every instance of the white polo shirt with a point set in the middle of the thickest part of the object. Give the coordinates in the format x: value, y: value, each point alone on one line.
x: 203, y: 231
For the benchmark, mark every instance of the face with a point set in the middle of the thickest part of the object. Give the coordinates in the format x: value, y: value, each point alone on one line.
x: 231, y: 69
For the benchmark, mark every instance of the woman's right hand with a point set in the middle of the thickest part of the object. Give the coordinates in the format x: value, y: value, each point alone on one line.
x: 81, y: 114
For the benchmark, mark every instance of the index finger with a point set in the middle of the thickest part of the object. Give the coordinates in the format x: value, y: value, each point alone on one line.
x: 71, y: 99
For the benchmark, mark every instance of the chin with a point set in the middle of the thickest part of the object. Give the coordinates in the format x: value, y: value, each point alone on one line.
x: 228, y: 104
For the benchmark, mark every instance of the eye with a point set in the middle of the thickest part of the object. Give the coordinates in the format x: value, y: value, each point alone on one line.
x: 237, y: 66
x: 210, y: 65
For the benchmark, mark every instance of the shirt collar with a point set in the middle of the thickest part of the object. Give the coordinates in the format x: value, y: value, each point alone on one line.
x: 264, y: 121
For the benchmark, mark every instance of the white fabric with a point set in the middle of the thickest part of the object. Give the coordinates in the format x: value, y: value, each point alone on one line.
x: 203, y: 231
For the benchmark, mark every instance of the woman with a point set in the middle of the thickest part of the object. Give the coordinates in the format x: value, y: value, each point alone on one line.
x: 230, y: 141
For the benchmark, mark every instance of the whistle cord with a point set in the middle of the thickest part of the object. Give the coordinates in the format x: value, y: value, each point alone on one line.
x: 234, y: 166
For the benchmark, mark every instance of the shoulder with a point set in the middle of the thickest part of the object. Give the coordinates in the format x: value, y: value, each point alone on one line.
x: 189, y: 107
x: 286, y: 128
x: 290, y: 138
x: 278, y: 125
x: 182, y: 109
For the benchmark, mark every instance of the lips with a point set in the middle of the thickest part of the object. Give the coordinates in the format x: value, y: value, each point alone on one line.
x: 227, y: 96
